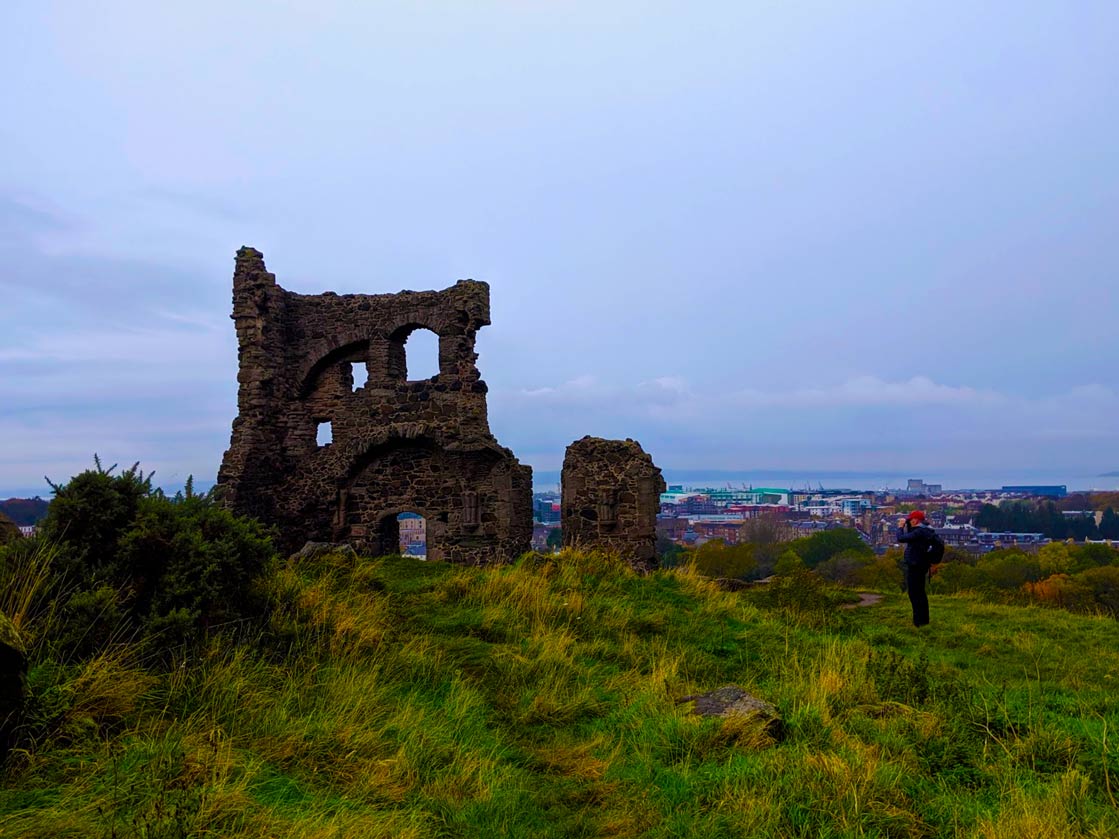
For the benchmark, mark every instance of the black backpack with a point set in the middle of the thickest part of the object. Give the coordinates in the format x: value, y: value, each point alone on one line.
x: 935, y: 552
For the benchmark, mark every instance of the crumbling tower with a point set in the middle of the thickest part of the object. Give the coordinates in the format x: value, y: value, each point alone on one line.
x: 396, y: 445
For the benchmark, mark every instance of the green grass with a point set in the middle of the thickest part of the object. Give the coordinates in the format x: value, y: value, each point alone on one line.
x: 400, y: 699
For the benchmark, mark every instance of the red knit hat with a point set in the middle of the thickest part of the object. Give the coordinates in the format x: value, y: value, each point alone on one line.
x: 917, y: 515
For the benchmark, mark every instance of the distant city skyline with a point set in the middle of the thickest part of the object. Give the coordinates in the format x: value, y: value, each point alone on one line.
x: 815, y: 237
x: 549, y: 479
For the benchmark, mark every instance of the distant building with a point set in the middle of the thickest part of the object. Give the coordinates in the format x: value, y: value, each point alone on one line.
x: 727, y: 531
x: 546, y: 510
x: 1045, y: 491
x: 958, y: 536
x: 678, y: 496
x: 413, y: 534
x: 853, y: 506
x: 540, y: 533
x: 801, y: 528
x: 672, y: 528
x: 916, y: 486
x: 1004, y: 539
x: 28, y: 531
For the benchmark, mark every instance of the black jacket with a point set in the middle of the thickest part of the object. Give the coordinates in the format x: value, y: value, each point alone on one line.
x: 916, y: 543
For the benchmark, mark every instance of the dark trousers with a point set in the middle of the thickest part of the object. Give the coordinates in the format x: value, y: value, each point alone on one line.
x: 915, y: 585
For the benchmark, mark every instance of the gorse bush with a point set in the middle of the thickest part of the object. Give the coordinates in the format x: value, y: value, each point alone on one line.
x: 125, y: 560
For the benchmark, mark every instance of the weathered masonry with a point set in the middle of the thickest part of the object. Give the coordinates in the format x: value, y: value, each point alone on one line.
x: 610, y: 498
x: 395, y: 445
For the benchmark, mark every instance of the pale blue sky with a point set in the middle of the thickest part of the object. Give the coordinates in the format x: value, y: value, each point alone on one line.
x: 812, y: 235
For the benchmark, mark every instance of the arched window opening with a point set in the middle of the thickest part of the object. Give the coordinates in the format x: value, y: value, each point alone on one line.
x: 360, y: 375
x: 421, y: 355
x: 324, y: 435
x: 413, y: 535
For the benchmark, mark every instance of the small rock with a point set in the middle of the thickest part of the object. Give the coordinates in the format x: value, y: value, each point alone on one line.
x: 728, y: 700
x: 316, y: 549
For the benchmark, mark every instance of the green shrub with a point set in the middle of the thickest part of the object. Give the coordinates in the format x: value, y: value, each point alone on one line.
x: 845, y: 567
x: 89, y: 514
x: 822, y: 546
x: 132, y: 561
x: 802, y: 593
x: 717, y: 559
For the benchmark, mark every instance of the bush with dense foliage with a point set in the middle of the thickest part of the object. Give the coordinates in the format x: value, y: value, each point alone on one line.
x: 822, y: 546
x: 129, y: 560
x: 717, y: 559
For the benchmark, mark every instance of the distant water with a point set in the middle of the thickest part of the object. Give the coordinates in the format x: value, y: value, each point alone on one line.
x: 832, y: 479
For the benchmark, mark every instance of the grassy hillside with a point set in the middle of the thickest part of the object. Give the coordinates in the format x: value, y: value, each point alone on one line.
x: 394, y: 698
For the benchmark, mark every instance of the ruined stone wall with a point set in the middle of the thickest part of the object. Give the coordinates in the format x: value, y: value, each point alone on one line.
x: 397, y: 445
x: 611, y: 495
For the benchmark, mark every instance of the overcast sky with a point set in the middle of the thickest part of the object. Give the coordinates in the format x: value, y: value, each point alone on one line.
x: 753, y: 235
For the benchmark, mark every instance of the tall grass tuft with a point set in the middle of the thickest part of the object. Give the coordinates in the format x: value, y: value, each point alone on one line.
x: 26, y: 576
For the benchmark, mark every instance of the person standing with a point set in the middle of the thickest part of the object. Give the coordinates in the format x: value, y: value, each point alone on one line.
x: 918, y: 539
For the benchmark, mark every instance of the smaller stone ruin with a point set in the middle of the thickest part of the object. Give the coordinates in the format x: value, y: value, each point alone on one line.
x: 611, y: 494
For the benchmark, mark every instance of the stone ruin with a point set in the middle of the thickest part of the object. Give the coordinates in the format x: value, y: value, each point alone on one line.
x: 610, y: 497
x: 397, y: 445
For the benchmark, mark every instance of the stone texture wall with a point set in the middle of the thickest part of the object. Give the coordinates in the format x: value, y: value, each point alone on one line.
x: 611, y: 495
x: 397, y: 445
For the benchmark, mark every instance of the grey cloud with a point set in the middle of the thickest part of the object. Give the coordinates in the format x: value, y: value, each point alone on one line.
x: 849, y: 424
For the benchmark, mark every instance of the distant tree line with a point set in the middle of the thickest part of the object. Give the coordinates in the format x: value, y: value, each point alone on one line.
x: 765, y: 552
x: 1047, y: 518
x: 1081, y: 578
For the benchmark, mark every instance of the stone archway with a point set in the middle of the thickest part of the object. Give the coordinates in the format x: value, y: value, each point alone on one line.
x: 466, y: 497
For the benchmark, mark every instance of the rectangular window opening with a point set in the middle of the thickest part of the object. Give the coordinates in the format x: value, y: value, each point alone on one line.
x: 325, y: 435
x: 361, y: 375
